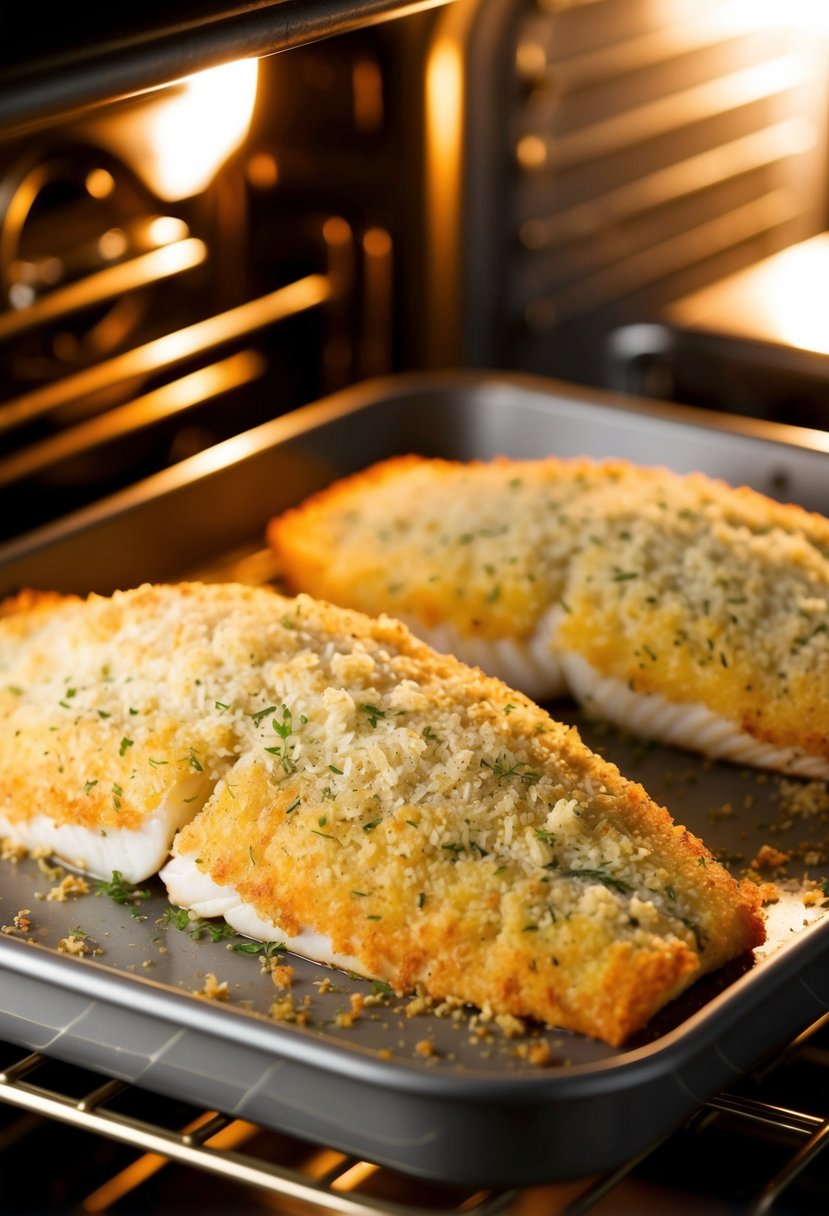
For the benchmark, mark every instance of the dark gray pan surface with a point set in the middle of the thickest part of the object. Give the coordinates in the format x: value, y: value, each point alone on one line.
x: 477, y: 1109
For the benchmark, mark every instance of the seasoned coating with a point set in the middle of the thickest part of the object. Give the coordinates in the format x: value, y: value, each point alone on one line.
x: 102, y: 757
x: 433, y: 826
x: 659, y: 585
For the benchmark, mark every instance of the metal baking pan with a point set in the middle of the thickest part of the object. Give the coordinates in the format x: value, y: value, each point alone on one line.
x: 450, y: 1098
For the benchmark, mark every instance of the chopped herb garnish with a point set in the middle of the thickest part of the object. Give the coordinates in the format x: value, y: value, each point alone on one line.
x: 263, y: 713
x: 181, y: 919
x: 194, y: 762
x: 374, y: 714
x: 221, y: 705
x: 156, y: 763
x: 178, y: 917
x: 285, y: 727
x: 126, y: 744
x: 296, y: 802
x: 123, y: 893
x: 88, y: 785
x: 265, y: 949
x: 502, y: 768
x: 381, y: 988
x: 116, y: 796
x: 599, y: 875
x: 369, y: 827
x: 336, y: 770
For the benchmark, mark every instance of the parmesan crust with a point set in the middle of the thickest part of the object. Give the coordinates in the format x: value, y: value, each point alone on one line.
x: 680, y: 590
x: 375, y: 802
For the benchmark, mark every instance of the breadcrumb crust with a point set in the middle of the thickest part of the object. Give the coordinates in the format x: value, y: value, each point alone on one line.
x: 432, y: 822
x: 679, y: 585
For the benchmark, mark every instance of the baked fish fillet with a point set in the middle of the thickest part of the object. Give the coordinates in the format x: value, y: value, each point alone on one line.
x: 686, y: 610
x: 392, y: 811
x: 107, y: 742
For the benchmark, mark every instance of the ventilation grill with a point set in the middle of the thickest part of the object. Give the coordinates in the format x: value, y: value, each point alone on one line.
x: 655, y: 146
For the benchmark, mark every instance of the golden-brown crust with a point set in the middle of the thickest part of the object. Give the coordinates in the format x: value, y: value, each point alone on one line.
x: 677, y: 585
x: 434, y: 824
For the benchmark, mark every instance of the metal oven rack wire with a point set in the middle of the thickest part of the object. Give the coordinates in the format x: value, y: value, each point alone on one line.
x: 218, y: 1146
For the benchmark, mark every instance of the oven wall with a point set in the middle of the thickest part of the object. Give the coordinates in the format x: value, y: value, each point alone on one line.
x: 616, y: 156
x: 531, y: 185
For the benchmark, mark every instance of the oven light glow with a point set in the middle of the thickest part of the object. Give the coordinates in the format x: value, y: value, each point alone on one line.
x: 203, y: 121
x: 181, y: 137
x: 100, y: 183
x: 112, y: 244
x: 794, y: 296
x: 444, y: 133
x: 165, y: 229
x: 803, y: 16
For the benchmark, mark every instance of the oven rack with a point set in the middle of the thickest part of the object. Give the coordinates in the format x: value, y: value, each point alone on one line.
x: 330, y: 1182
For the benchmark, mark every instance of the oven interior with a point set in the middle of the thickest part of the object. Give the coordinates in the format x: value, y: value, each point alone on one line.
x: 626, y: 194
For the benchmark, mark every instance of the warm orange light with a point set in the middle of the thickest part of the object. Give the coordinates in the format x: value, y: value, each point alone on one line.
x: 806, y: 16
x: 444, y: 131
x: 792, y: 295
x: 199, y: 125
x: 184, y: 135
x: 165, y: 229
x: 263, y: 171
x: 100, y: 183
x: 784, y: 300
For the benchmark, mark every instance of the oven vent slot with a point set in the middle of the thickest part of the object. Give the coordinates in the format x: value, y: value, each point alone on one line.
x: 651, y: 149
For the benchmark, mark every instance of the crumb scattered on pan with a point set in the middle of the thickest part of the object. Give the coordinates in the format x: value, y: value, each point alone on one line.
x: 48, y: 868
x: 285, y: 1010
x: 74, y: 943
x: 282, y: 974
x: 10, y: 851
x: 21, y: 923
x: 539, y: 1053
x: 802, y: 799
x: 69, y: 887
x: 213, y: 990
x: 770, y: 858
x: 511, y: 1027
